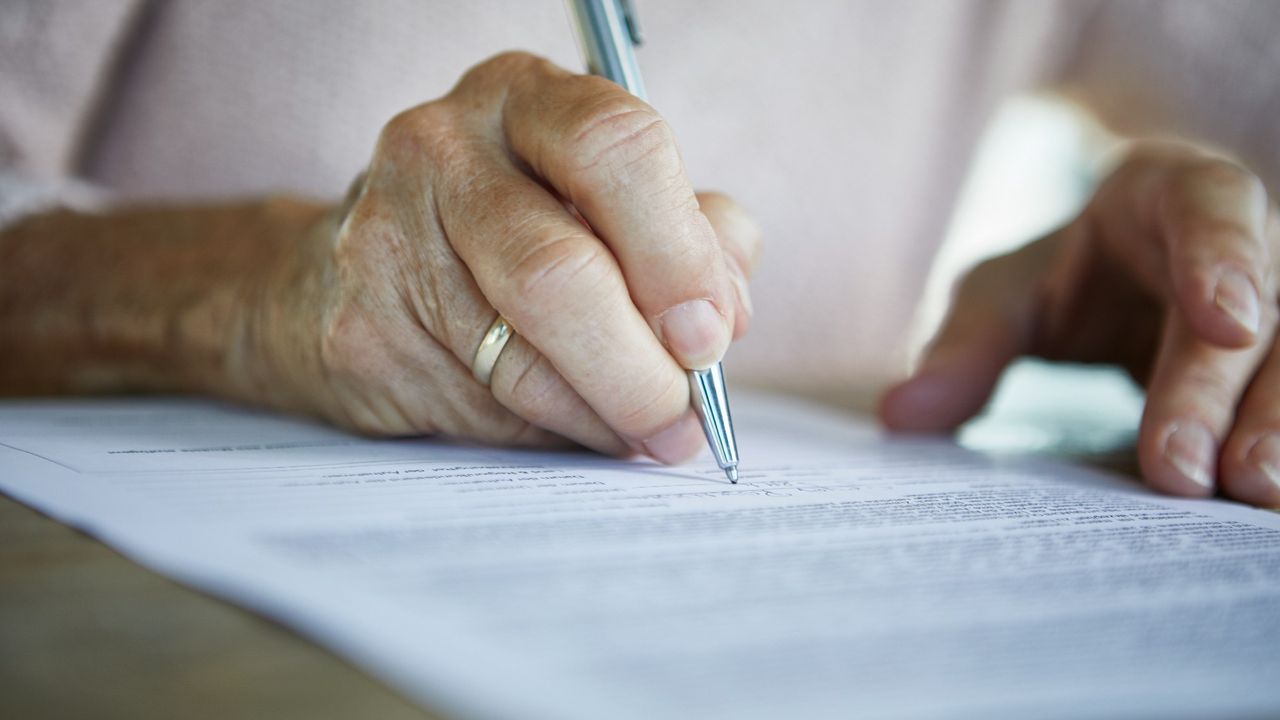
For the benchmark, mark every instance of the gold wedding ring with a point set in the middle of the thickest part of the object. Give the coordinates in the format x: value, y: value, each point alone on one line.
x: 490, y: 348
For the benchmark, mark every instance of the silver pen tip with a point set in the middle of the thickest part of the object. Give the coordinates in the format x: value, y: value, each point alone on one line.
x: 732, y: 473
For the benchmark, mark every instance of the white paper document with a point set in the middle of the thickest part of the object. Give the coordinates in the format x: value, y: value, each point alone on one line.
x: 849, y: 575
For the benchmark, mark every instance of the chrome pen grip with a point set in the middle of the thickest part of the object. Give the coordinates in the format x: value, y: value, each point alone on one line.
x: 711, y: 403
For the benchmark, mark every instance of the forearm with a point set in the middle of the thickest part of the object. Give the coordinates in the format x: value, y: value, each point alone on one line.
x: 158, y: 299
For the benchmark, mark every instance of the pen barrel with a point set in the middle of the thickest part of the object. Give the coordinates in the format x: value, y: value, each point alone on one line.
x: 606, y: 41
x: 711, y: 403
x: 607, y: 32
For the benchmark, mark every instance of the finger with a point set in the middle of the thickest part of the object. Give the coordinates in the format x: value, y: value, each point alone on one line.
x: 616, y: 160
x: 385, y: 381
x: 1250, y: 459
x: 738, y: 233
x: 987, y: 327
x: 739, y: 236
x: 1213, y: 218
x: 525, y: 381
x: 528, y: 403
x: 564, y: 293
x: 1191, y: 400
x: 524, y: 384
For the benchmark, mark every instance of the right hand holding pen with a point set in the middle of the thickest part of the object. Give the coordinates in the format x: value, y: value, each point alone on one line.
x: 467, y: 211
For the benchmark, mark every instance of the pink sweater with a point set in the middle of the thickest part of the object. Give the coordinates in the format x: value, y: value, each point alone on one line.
x: 845, y: 127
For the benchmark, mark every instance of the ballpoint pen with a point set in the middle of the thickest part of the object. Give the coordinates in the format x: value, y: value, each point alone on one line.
x: 608, y: 31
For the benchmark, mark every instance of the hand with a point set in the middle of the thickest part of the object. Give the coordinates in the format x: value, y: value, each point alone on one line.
x: 557, y: 200
x: 1170, y: 272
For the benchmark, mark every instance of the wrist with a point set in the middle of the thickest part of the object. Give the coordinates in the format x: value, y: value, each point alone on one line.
x: 139, y: 299
x: 268, y: 342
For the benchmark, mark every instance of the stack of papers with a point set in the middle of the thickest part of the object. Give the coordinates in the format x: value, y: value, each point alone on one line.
x: 847, y: 575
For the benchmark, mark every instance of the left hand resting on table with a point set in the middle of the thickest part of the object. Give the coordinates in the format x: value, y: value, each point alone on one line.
x: 1170, y: 272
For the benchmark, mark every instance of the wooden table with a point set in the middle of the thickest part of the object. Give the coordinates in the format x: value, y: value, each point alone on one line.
x: 86, y: 633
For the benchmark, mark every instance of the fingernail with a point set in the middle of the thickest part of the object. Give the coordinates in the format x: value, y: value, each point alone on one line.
x: 1190, y: 450
x: 695, y: 333
x: 678, y: 442
x: 1237, y: 296
x: 1266, y: 457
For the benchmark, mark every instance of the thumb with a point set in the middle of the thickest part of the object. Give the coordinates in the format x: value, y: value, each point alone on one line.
x: 986, y: 328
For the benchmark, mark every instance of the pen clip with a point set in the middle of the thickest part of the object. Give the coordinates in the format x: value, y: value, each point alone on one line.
x: 633, y: 25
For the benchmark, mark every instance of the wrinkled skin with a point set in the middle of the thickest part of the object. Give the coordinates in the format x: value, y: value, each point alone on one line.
x: 555, y: 199
x: 1170, y: 272
x: 561, y: 202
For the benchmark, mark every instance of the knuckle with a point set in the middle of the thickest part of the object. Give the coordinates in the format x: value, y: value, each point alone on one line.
x: 1210, y: 384
x: 501, y: 68
x: 532, y: 392
x: 472, y: 189
x: 693, y: 247
x: 1215, y: 232
x: 1212, y: 241
x: 651, y: 405
x: 564, y: 267
x: 417, y: 133
x: 401, y: 132
x: 1222, y: 175
x: 617, y: 130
